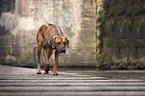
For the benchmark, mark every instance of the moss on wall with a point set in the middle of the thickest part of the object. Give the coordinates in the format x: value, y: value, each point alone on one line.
x: 121, y: 28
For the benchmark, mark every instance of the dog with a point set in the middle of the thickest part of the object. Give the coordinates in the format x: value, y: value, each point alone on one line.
x: 49, y: 38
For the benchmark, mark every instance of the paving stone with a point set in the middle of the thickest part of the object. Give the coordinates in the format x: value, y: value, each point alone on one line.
x: 18, y: 81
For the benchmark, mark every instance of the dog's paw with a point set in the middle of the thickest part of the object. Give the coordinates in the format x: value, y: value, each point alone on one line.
x: 46, y: 72
x: 55, y: 73
x: 38, y: 72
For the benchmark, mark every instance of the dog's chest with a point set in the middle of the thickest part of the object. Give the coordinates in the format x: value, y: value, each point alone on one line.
x: 46, y: 45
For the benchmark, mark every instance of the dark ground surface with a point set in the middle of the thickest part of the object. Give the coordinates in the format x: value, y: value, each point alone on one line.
x: 19, y: 81
x: 132, y: 74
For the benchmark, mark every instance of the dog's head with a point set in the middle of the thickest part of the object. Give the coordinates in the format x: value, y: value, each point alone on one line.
x: 59, y: 43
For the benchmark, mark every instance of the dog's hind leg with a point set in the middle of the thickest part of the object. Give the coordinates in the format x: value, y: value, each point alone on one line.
x: 47, y: 64
x: 38, y: 61
x: 39, y: 47
x: 49, y: 53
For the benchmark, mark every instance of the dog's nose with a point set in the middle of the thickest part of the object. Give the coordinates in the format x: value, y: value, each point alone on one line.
x: 63, y: 50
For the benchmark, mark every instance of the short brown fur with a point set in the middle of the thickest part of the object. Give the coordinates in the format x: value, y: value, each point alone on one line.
x: 50, y: 37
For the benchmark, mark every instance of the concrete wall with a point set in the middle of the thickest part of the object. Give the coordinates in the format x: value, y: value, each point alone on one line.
x: 21, y: 19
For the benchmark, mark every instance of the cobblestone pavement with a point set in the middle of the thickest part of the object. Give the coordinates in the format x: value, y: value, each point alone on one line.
x: 18, y: 81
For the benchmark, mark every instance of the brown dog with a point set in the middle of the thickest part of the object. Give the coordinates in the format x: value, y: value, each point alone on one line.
x: 50, y: 37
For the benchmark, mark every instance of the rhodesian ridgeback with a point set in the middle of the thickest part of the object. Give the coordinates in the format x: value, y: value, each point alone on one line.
x: 50, y: 37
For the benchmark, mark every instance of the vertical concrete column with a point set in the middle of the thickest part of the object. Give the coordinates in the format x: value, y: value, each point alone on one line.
x: 100, y: 22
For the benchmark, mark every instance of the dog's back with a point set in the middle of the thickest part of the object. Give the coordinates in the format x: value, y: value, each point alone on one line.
x: 54, y: 29
x: 49, y: 29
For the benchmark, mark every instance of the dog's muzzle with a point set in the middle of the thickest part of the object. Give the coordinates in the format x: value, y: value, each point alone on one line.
x: 63, y: 50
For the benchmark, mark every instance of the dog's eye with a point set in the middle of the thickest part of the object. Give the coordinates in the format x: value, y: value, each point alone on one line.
x: 58, y: 43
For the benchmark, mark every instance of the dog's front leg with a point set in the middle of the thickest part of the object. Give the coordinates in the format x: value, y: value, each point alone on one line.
x: 55, y: 63
x: 47, y: 65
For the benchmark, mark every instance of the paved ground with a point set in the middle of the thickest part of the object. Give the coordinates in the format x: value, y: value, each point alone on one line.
x: 16, y: 81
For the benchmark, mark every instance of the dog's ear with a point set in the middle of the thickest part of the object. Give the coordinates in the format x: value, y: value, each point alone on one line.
x: 52, y: 42
x: 67, y: 44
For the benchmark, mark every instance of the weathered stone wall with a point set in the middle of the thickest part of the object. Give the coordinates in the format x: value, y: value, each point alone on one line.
x: 22, y: 20
x: 121, y: 31
x: 8, y: 43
